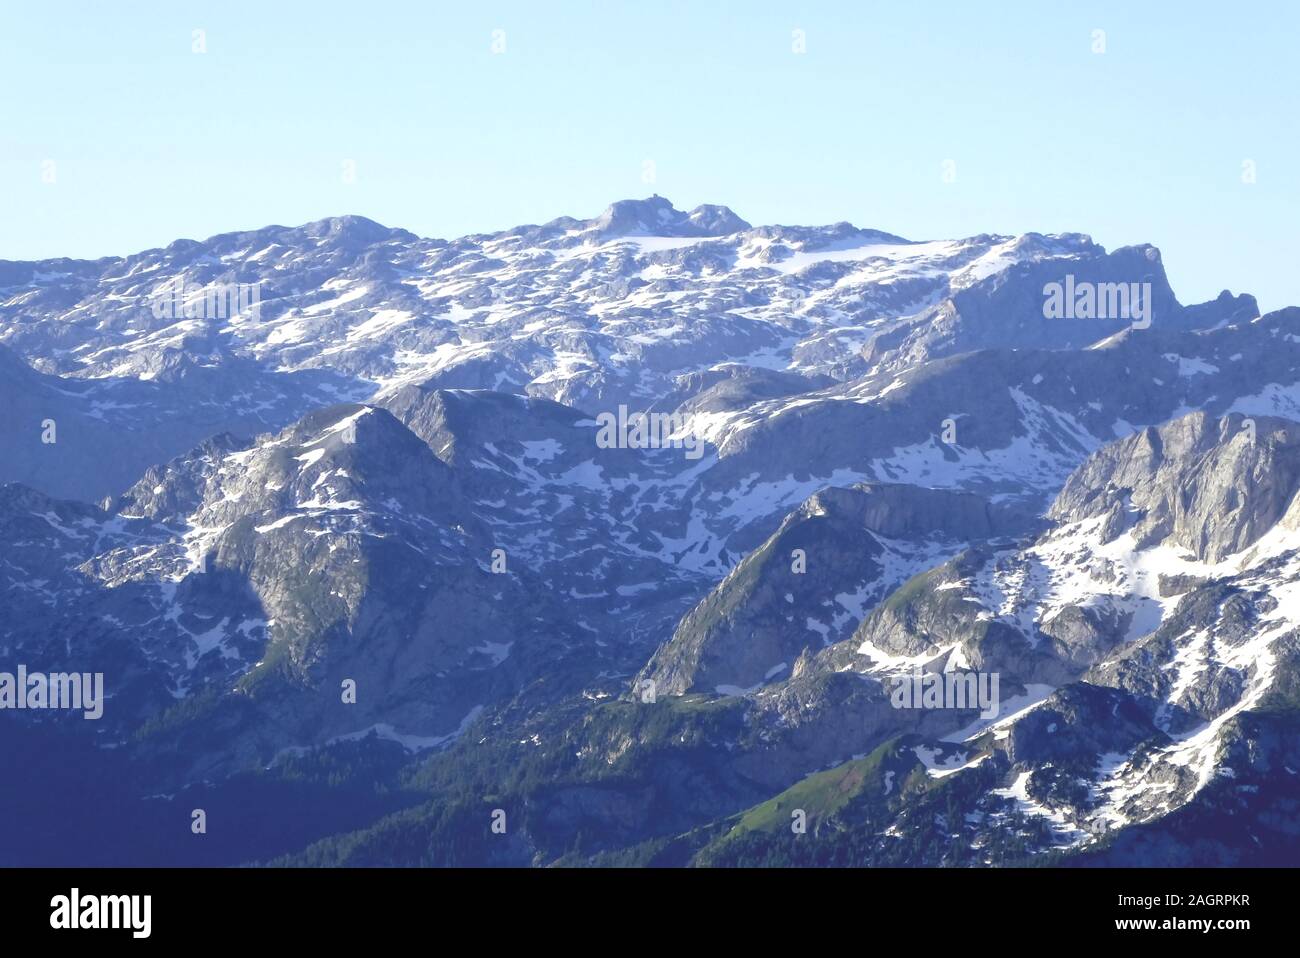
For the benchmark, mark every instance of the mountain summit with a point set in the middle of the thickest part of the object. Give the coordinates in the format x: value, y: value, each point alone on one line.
x: 656, y: 216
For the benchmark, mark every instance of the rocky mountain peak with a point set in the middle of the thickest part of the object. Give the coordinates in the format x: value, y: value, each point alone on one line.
x: 1212, y: 486
x: 656, y: 216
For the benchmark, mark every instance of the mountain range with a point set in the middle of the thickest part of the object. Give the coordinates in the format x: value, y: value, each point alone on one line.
x: 369, y: 585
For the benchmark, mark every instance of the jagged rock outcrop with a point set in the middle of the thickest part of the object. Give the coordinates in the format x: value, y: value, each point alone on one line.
x: 810, y: 582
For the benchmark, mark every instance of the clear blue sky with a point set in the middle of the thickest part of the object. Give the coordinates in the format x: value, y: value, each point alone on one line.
x: 1142, y: 143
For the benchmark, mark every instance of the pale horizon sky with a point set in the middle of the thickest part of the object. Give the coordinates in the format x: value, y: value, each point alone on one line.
x: 1148, y: 141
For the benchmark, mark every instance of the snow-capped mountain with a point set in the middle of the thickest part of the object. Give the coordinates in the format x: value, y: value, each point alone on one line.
x: 250, y: 471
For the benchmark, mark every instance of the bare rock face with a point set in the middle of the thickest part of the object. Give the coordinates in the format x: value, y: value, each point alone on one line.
x: 1210, y: 486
